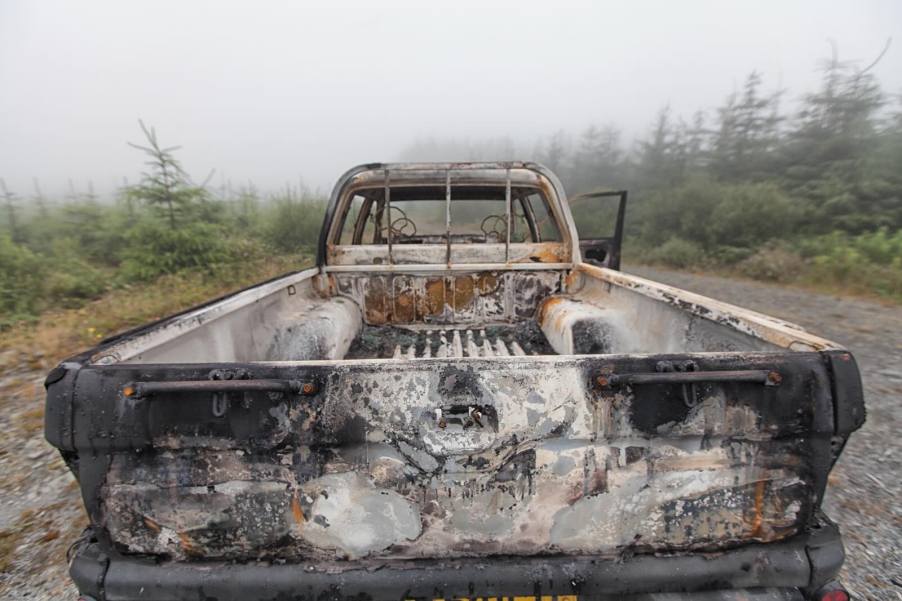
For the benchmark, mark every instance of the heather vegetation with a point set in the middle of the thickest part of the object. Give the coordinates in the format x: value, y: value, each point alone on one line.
x: 769, y: 186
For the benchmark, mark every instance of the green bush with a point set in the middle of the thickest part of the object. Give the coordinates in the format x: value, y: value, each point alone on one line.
x: 74, y: 281
x: 773, y: 263
x: 879, y: 247
x: 158, y: 249
x: 292, y: 225
x: 716, y: 215
x: 748, y: 215
x: 679, y: 212
x: 870, y: 261
x: 730, y: 255
x: 22, y: 286
x: 679, y: 253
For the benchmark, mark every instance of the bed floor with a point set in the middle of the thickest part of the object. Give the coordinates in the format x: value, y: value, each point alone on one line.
x: 385, y: 342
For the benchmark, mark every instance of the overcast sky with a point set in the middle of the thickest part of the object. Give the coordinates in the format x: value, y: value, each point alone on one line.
x: 276, y: 91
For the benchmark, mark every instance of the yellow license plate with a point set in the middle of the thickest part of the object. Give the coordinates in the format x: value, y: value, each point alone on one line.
x: 512, y: 598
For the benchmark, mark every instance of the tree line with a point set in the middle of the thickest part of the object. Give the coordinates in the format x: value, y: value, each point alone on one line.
x: 792, y: 189
x: 809, y: 194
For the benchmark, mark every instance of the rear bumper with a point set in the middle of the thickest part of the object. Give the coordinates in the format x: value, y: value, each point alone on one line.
x: 784, y: 570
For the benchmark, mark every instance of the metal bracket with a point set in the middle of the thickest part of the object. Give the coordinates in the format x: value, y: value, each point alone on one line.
x: 146, y: 389
x: 751, y: 376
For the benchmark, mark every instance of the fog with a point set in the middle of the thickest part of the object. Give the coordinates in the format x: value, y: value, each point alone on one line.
x: 275, y: 93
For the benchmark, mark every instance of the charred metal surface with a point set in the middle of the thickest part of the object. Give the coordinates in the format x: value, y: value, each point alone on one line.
x: 383, y: 342
x: 625, y: 290
x: 735, y: 575
x: 508, y: 402
x: 375, y: 257
x: 463, y: 457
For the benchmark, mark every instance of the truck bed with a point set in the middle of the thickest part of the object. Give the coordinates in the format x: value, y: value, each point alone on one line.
x: 304, y: 318
x: 459, y: 417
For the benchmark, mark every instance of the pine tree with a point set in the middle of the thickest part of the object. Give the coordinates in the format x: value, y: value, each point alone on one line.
x: 832, y: 143
x: 166, y: 185
x: 554, y: 152
x: 747, y: 133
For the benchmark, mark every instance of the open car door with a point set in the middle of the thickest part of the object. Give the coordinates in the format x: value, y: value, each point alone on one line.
x: 599, y: 221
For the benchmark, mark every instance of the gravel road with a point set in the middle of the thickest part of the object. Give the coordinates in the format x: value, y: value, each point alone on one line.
x: 40, y: 509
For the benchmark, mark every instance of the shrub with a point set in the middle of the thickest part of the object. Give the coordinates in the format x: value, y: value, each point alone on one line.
x: 869, y: 262
x: 292, y: 225
x: 730, y: 255
x: 677, y: 252
x: 773, y: 263
x: 714, y: 214
x: 751, y: 214
x: 878, y: 247
x: 158, y: 249
x: 74, y: 281
x: 21, y: 282
x: 680, y: 212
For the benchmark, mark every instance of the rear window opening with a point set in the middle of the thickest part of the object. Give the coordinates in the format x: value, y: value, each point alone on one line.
x: 425, y: 215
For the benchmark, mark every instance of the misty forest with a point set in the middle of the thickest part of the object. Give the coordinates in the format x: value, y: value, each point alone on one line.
x: 801, y: 188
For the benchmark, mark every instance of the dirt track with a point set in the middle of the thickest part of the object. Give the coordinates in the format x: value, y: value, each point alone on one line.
x: 40, y: 510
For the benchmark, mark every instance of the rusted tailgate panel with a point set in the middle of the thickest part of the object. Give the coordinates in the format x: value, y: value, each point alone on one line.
x: 385, y: 460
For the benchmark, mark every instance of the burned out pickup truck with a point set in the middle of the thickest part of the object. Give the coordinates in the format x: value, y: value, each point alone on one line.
x: 462, y: 400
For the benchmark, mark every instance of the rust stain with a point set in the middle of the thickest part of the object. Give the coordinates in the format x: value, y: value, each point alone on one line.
x: 572, y: 279
x: 547, y: 306
x: 296, y: 511
x: 487, y: 283
x: 463, y: 292
x: 325, y: 286
x: 151, y: 524
x: 377, y: 303
x: 405, y: 302
x: 545, y: 253
x: 188, y: 545
x: 432, y: 302
x: 759, y: 507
